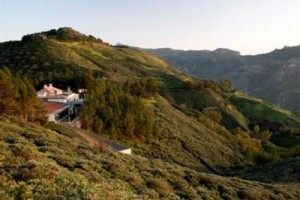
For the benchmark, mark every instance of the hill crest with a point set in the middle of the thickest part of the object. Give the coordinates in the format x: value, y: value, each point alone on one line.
x: 199, y: 127
x: 65, y: 34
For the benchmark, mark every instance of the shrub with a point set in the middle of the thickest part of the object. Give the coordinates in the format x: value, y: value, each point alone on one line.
x: 159, y: 185
x: 213, y: 115
x: 145, y: 87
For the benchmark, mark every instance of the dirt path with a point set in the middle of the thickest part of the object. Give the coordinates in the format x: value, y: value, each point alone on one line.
x: 94, y: 139
x: 85, y: 134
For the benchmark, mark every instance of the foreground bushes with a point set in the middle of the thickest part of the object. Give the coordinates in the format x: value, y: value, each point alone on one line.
x: 69, y: 168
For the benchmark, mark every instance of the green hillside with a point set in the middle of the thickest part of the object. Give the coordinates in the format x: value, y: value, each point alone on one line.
x: 190, y: 138
x: 48, y: 58
x: 266, y: 114
x: 287, y: 171
x: 37, y: 163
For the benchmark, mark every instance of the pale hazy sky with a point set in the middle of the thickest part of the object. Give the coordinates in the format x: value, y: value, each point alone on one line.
x: 249, y: 26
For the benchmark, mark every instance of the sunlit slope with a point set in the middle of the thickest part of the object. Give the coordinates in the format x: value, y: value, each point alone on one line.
x: 266, y: 114
x: 203, y: 128
x: 42, y: 164
x: 46, y: 56
x: 64, y: 55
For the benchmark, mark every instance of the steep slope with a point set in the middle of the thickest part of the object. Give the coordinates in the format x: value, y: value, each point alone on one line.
x: 203, y: 127
x: 45, y: 54
x: 266, y: 114
x: 282, y: 172
x: 42, y: 164
x: 63, y: 56
x: 273, y: 76
x: 184, y: 138
x: 64, y: 59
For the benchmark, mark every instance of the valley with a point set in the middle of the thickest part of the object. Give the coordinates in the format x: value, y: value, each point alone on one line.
x: 190, y: 138
x: 272, y: 76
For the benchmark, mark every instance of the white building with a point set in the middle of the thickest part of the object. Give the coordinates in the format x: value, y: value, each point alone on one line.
x: 61, y: 105
x: 53, y: 94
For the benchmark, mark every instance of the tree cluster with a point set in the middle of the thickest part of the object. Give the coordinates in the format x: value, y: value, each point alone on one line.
x: 202, y: 84
x: 226, y: 85
x: 65, y: 34
x: 111, y: 109
x: 261, y: 134
x: 214, y: 115
x: 145, y: 87
x: 18, y: 97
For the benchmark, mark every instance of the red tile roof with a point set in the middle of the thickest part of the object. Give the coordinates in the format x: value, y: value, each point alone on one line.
x: 53, y: 106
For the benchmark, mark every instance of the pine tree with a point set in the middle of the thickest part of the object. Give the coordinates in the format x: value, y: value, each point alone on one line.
x: 129, y: 124
x: 86, y: 117
x: 88, y: 79
x: 97, y: 125
x: 23, y: 98
x: 113, y: 132
x: 111, y: 109
x: 18, y: 97
x: 36, y: 111
x: 8, y: 93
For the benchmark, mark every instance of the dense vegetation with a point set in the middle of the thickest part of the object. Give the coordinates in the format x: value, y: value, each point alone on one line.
x: 185, y: 133
x: 267, y: 115
x: 18, y: 97
x: 62, y: 34
x: 37, y: 163
x: 119, y: 111
x: 65, y: 62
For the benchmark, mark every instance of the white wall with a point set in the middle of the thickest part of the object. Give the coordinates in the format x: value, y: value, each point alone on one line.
x: 126, y: 151
x: 51, y: 117
x: 58, y: 100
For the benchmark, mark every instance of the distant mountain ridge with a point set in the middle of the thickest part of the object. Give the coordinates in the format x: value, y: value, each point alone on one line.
x: 206, y: 134
x: 273, y: 76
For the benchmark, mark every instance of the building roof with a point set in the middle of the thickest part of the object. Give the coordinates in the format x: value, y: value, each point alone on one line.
x: 49, y: 90
x: 53, y: 107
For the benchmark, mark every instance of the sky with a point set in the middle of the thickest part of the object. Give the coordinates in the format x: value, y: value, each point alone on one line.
x: 248, y: 26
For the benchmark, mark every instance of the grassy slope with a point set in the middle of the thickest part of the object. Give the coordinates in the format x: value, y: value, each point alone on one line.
x: 204, y: 99
x: 185, y: 141
x: 52, y: 60
x: 258, y: 110
x: 39, y: 163
x: 182, y: 140
x: 68, y: 59
x: 287, y: 171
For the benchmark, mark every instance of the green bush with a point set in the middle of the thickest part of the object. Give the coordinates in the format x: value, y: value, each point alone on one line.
x: 145, y: 87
